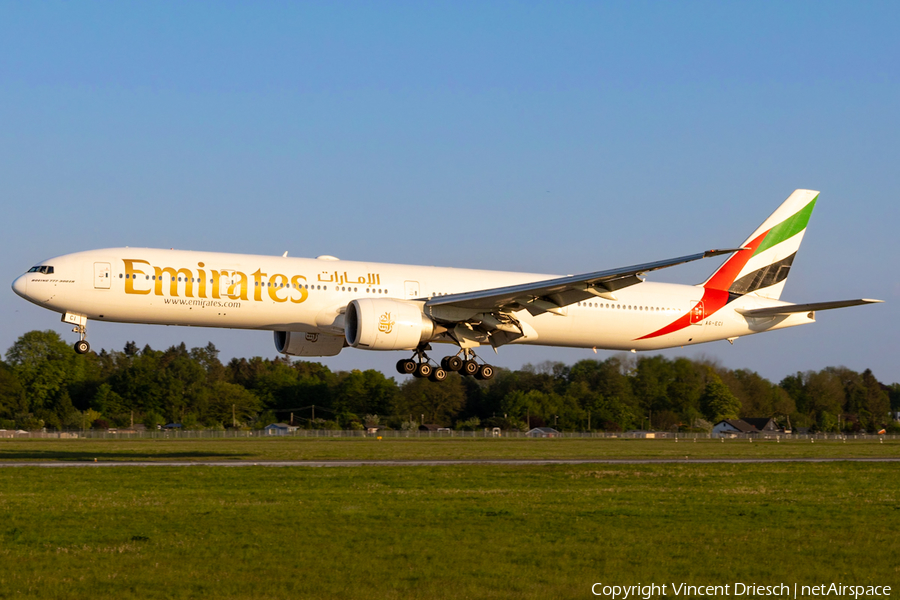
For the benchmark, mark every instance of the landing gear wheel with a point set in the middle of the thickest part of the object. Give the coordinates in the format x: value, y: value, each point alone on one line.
x: 438, y: 375
x: 470, y: 368
x: 423, y: 369
x: 82, y: 347
x: 485, y: 372
x: 406, y: 366
x: 454, y: 363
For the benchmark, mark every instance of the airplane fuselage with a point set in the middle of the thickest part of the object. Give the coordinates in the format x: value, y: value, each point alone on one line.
x: 207, y: 289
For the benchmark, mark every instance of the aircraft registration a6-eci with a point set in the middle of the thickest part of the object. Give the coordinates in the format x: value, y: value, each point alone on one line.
x: 317, y: 307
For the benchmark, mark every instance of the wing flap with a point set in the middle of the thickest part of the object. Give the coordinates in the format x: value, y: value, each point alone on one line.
x: 787, y: 309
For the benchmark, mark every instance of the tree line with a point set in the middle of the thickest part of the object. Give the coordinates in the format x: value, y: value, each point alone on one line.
x: 45, y: 384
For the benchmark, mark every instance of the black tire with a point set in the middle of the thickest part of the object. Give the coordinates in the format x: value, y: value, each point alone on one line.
x: 438, y: 375
x: 485, y: 372
x: 454, y: 363
x: 423, y: 370
x: 470, y: 368
x: 82, y: 347
x: 444, y: 363
x: 406, y: 366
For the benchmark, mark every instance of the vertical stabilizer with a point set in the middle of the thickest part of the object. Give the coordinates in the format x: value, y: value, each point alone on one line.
x: 763, y: 267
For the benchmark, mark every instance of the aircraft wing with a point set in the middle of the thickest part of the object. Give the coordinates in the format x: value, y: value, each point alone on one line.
x: 552, y: 294
x: 787, y: 309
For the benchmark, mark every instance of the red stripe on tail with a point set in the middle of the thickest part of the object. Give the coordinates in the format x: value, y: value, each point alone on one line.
x: 727, y: 273
x: 715, y: 291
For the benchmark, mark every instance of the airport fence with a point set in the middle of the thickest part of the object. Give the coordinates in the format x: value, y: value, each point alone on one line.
x: 188, y: 434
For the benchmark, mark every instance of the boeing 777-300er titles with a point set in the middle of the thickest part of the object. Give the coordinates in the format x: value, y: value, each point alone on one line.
x: 317, y: 307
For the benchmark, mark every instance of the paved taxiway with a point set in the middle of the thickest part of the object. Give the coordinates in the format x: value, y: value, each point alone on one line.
x: 436, y: 463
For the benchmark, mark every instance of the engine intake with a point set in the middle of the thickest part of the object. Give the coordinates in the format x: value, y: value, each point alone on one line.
x: 384, y: 324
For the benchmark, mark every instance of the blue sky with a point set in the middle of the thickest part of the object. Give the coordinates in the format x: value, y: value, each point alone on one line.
x: 556, y: 138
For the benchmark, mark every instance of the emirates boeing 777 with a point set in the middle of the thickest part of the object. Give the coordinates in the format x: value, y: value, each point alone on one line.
x: 317, y: 307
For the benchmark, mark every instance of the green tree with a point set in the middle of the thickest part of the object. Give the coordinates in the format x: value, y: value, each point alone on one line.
x: 439, y: 403
x: 365, y: 392
x: 651, y: 383
x: 825, y: 398
x: 230, y: 402
x: 539, y: 408
x: 44, y: 366
x: 876, y: 403
x: 12, y: 394
x: 152, y: 420
x: 109, y: 403
x: 717, y: 401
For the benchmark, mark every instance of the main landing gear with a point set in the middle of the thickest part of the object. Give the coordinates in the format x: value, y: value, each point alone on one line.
x: 419, y: 366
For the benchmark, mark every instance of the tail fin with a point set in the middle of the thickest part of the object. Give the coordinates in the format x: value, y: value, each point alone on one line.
x: 763, y: 267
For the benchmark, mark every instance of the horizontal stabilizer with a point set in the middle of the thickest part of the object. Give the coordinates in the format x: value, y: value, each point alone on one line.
x: 787, y: 309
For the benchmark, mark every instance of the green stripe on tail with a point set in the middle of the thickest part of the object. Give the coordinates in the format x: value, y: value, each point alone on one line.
x: 788, y: 228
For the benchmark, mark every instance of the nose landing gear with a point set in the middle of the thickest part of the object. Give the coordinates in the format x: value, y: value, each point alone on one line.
x: 80, y: 322
x: 82, y: 347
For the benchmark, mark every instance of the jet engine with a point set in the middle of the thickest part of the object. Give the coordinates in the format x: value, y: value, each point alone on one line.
x: 384, y: 324
x: 297, y: 343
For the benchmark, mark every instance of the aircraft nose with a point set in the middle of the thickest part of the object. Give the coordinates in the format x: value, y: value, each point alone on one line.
x: 20, y: 285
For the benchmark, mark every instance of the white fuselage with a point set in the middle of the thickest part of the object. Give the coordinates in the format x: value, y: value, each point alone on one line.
x: 207, y: 289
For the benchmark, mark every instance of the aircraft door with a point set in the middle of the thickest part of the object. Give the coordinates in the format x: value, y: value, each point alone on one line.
x: 101, y: 276
x: 697, y: 313
x: 411, y: 289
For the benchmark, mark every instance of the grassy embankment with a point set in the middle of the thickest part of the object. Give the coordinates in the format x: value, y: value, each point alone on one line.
x: 441, y: 532
x: 255, y: 449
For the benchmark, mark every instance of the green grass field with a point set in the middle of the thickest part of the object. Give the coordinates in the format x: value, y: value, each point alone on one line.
x: 453, y: 531
x: 445, y: 532
x: 255, y: 449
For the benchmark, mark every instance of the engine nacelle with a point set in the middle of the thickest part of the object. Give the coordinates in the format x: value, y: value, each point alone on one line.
x: 297, y: 343
x: 383, y: 324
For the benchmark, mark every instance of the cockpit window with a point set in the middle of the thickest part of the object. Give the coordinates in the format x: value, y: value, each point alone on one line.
x: 45, y: 269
